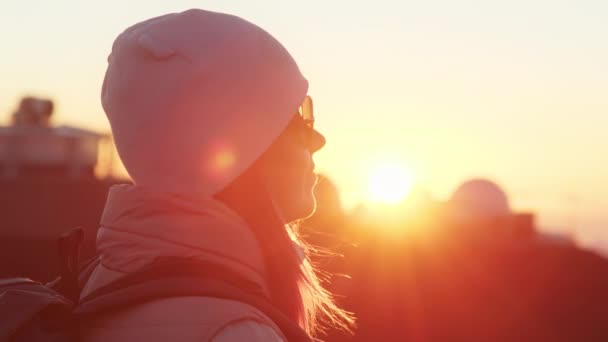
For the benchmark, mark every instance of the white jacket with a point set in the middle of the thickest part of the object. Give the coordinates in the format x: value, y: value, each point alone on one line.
x: 139, y: 226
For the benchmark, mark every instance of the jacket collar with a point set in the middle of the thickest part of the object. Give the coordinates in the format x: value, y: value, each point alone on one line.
x: 139, y: 225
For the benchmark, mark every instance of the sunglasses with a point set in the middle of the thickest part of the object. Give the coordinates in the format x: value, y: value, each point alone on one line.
x: 306, y: 112
x: 306, y: 120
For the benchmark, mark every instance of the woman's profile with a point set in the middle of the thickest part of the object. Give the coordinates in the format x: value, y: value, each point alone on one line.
x: 212, y: 119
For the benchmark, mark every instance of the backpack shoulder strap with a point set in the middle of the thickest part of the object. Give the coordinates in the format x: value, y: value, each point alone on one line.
x: 186, y: 278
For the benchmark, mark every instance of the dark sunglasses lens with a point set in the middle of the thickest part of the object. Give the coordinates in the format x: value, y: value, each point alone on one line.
x: 307, y: 109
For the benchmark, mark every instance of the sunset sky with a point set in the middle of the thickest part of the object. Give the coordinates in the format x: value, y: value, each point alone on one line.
x: 515, y: 91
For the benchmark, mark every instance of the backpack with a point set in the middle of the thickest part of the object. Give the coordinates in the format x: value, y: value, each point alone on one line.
x: 31, y: 311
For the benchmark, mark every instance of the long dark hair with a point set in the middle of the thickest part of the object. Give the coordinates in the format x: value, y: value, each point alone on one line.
x: 293, y: 283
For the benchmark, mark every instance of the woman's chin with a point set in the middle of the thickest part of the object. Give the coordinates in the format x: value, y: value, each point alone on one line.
x: 301, y: 209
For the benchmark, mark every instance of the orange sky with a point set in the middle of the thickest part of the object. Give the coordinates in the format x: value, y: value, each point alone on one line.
x: 512, y: 91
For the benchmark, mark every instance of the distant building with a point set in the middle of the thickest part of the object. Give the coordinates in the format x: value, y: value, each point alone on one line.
x: 31, y: 147
x: 49, y: 183
x: 480, y: 204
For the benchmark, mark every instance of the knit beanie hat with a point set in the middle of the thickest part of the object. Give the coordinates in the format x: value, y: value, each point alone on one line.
x: 194, y: 98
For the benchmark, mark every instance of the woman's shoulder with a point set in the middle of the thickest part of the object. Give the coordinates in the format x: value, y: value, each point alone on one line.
x: 186, y: 319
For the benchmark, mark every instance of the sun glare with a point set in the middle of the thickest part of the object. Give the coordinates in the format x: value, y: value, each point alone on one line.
x: 389, y: 184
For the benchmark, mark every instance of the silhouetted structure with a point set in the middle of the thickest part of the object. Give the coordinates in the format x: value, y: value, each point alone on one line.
x: 47, y: 186
x: 480, y: 209
x: 478, y: 273
x: 32, y: 148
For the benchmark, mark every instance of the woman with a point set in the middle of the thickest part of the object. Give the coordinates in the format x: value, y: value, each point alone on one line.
x: 211, y: 118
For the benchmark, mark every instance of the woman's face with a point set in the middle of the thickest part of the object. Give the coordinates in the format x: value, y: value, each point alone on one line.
x: 288, y: 169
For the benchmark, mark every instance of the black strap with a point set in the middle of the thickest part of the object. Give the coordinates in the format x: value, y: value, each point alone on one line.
x: 69, y: 250
x: 186, y: 278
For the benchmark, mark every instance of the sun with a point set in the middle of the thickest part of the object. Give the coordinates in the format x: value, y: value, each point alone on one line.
x: 389, y: 183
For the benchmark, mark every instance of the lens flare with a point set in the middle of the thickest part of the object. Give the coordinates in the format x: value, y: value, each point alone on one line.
x: 224, y: 159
